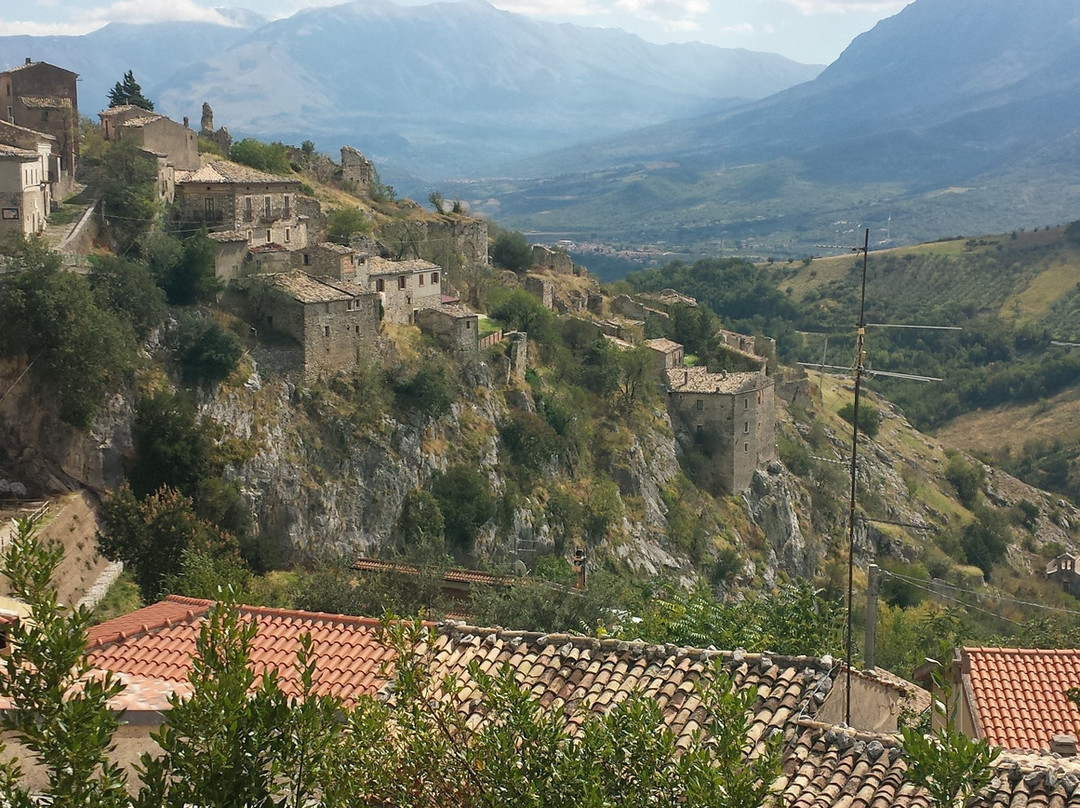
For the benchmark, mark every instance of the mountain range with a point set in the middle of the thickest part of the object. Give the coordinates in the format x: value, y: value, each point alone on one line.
x: 439, y: 90
x: 954, y: 116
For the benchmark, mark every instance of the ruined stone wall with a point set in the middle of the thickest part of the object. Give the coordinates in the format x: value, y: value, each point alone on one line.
x: 219, y: 137
x: 357, y: 168
x: 452, y: 332
x: 552, y: 260
x: 465, y: 236
x: 543, y: 288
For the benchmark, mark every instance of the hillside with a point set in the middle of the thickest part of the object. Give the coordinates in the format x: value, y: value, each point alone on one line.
x: 950, y: 117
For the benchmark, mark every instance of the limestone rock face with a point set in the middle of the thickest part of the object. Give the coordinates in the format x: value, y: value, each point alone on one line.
x: 771, y: 505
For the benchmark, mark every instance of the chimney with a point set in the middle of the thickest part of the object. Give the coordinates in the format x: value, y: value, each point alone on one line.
x: 186, y: 122
x: 1064, y: 745
x: 686, y: 377
x: 28, y: 61
x: 579, y: 562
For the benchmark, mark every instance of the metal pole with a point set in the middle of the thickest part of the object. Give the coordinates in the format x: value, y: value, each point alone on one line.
x: 860, y: 335
x: 872, y: 581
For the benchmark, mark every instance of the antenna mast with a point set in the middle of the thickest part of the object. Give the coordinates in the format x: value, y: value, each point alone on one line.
x: 859, y: 356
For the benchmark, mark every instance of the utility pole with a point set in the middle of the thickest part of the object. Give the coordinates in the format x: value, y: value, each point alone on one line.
x: 873, y: 581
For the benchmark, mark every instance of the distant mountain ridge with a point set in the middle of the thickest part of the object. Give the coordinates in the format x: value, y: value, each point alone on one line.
x: 441, y: 90
x: 949, y: 98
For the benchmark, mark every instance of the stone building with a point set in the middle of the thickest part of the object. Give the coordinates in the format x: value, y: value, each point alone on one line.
x: 24, y: 191
x: 541, y: 287
x: 19, y: 137
x: 750, y: 353
x: 227, y: 196
x: 454, y: 328
x: 230, y: 254
x: 43, y: 97
x: 667, y: 354
x: 334, y: 322
x: 403, y: 287
x: 330, y: 260
x: 219, y: 137
x: 732, y: 413
x: 154, y: 133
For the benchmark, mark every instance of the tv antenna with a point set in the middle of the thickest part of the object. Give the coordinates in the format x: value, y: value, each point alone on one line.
x: 861, y: 370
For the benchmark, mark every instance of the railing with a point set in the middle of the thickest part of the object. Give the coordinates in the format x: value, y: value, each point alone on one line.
x: 491, y: 339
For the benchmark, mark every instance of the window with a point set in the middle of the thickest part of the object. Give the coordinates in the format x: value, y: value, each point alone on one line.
x: 746, y: 403
x: 266, y: 207
x: 247, y: 209
x: 746, y: 447
x: 401, y: 282
x: 326, y: 331
x: 287, y: 234
x: 468, y: 325
x: 700, y: 404
x: 287, y: 205
x: 420, y: 279
x: 380, y: 285
x: 44, y: 114
x: 269, y: 236
x: 358, y: 330
x: 307, y: 260
x: 746, y: 427
x: 434, y: 278
x: 208, y: 205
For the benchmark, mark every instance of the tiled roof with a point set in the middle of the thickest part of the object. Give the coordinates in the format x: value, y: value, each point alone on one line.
x: 700, y: 380
x: 143, y: 120
x: 11, y: 152
x: 227, y: 235
x: 334, y: 247
x: 1018, y: 694
x: 565, y: 672
x: 663, y: 345
x: 383, y: 266
x: 224, y: 172
x: 112, y: 112
x: 453, y: 575
x: 308, y: 289
x: 457, y: 311
x: 7, y: 126
x: 27, y: 65
x: 157, y: 643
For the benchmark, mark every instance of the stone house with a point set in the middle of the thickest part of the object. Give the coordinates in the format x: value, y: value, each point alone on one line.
x: 24, y: 191
x: 154, y: 133
x: 330, y: 260
x: 230, y: 254
x: 403, y: 287
x: 44, y: 97
x: 454, y: 328
x: 734, y: 411
x: 227, y: 196
x: 1063, y: 570
x: 667, y: 354
x: 334, y: 322
x: 44, y: 144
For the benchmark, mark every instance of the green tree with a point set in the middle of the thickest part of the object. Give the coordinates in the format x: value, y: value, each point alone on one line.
x: 869, y: 417
x: 520, y: 311
x: 270, y: 157
x: 129, y: 92
x: 345, y: 222
x: 127, y: 288
x: 530, y: 440
x: 466, y: 503
x: 151, y: 536
x: 420, y: 528
x: 54, y: 319
x: 128, y: 179
x: 206, y: 351
x: 190, y: 274
x: 944, y: 761
x: 510, y: 250
x: 430, y: 390
x: 58, y: 712
x: 172, y: 447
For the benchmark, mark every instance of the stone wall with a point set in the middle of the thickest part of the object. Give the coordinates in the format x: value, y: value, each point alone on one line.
x: 357, y: 168
x: 454, y: 329
x: 466, y: 236
x: 542, y: 287
x: 557, y: 261
x: 219, y: 137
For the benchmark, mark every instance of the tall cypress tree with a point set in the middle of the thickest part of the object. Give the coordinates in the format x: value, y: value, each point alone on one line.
x: 129, y: 92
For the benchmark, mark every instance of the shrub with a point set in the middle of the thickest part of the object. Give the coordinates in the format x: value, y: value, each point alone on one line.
x: 511, y: 250
x: 272, y: 157
x: 206, y: 351
x: 464, y: 498
x: 429, y: 390
x: 530, y: 440
x: 869, y: 417
x: 966, y: 478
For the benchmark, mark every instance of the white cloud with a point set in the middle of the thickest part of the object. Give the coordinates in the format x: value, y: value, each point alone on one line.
x: 139, y: 11
x: 552, y: 8
x: 812, y: 7
x: 26, y: 28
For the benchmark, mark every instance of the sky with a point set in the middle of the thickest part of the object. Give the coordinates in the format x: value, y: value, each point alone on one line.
x: 811, y: 31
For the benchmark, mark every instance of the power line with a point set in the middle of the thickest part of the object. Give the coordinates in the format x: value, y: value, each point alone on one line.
x: 992, y: 596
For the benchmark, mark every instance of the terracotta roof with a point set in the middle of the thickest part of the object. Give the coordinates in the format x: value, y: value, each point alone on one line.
x: 566, y: 671
x: 1018, y: 694
x: 454, y: 575
x: 334, y: 247
x: 224, y: 172
x: 143, y: 120
x: 112, y: 112
x: 700, y: 380
x: 383, y: 266
x: 457, y: 311
x: 157, y: 643
x: 27, y: 65
x: 15, y: 128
